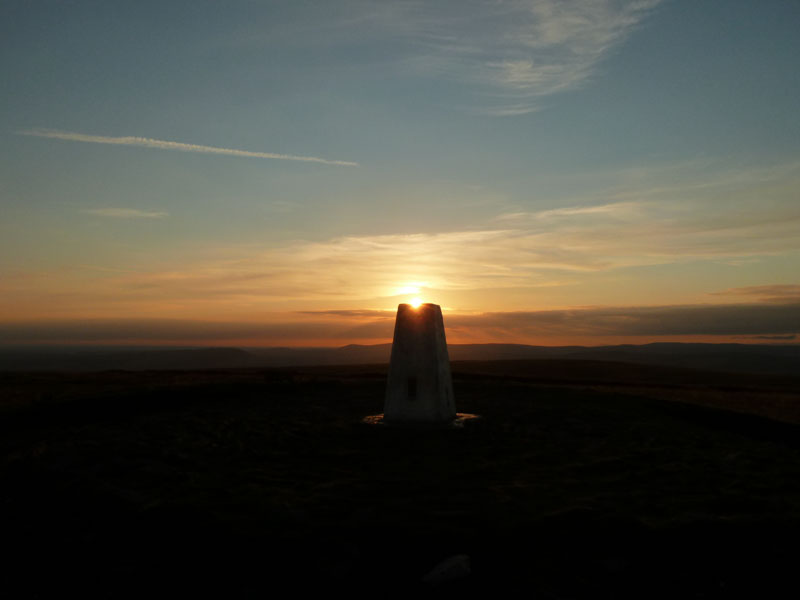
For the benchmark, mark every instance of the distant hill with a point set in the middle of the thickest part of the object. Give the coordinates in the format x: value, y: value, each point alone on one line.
x: 127, y: 359
x: 749, y: 358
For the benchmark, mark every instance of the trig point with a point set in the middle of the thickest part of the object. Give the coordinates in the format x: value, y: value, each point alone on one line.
x: 419, y: 388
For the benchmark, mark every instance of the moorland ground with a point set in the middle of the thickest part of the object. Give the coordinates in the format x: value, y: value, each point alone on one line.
x: 580, y: 479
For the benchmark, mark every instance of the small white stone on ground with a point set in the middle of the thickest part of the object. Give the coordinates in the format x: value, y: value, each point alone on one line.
x: 450, y: 568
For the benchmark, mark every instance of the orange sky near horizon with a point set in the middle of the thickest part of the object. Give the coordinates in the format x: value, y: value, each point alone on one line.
x: 278, y: 173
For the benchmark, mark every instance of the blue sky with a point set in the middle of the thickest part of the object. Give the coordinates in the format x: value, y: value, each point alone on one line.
x: 497, y: 156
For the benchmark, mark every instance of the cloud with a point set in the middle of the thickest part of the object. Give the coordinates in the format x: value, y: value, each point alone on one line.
x: 765, y: 293
x: 590, y: 325
x: 380, y: 314
x: 143, y: 331
x: 156, y: 330
x: 611, y: 209
x: 524, y: 50
x: 508, y: 55
x: 126, y: 213
x: 180, y: 146
x: 503, y: 262
x: 521, y: 250
x: 715, y: 320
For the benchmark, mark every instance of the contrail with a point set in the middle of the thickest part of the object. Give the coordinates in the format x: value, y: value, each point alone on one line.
x: 180, y: 146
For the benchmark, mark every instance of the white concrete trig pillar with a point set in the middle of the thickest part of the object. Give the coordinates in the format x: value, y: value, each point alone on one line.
x: 419, y: 386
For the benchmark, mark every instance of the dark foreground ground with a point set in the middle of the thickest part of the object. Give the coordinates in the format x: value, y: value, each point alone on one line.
x: 583, y: 480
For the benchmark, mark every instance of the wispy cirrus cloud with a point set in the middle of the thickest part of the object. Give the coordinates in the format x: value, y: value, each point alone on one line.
x: 612, y: 208
x: 509, y: 55
x: 521, y: 51
x: 143, y: 142
x: 126, y: 213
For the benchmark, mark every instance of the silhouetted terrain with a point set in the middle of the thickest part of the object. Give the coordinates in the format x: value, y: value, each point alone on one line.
x: 582, y: 479
x: 750, y: 358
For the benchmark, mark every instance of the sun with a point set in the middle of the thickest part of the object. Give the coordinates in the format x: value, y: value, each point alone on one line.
x: 416, y: 302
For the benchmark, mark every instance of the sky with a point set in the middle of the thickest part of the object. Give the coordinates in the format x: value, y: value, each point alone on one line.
x: 270, y: 172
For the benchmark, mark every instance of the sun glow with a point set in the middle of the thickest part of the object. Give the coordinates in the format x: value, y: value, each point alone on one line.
x: 407, y: 289
x: 416, y: 302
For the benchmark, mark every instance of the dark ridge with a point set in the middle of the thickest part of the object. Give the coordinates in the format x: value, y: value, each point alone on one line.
x: 776, y: 359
